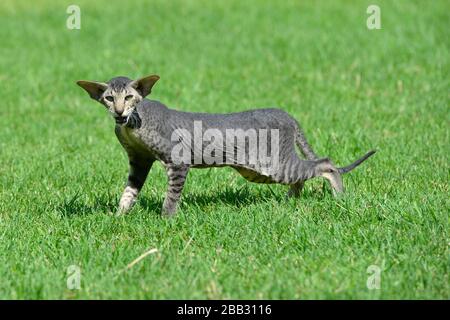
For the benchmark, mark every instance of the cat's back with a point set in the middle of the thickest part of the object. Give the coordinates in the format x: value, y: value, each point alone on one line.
x: 151, y: 108
x: 264, y: 117
x: 156, y: 114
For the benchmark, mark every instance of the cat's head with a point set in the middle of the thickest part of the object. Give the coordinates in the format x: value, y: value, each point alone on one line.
x: 326, y: 169
x: 120, y: 95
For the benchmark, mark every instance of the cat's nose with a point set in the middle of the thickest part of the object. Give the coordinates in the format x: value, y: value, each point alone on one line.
x: 119, y: 112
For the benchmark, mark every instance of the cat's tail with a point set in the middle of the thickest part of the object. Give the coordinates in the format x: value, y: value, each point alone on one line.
x: 356, y: 163
x: 302, y: 143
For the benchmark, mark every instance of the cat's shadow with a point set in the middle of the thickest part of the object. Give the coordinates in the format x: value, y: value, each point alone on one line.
x: 230, y: 197
x: 236, y: 198
x: 74, y: 206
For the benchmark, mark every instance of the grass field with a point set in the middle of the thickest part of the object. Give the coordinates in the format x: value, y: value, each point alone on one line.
x: 62, y: 170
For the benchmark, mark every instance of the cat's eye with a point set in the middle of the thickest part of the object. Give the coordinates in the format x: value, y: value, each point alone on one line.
x: 109, y: 98
x: 128, y: 97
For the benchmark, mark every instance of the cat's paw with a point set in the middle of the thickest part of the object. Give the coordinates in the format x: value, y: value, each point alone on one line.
x: 168, y: 212
x: 125, y: 204
x: 123, y: 210
x: 120, y: 212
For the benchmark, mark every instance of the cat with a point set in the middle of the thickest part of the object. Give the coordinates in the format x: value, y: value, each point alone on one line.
x: 149, y: 131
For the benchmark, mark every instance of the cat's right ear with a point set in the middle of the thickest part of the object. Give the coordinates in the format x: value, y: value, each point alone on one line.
x: 95, y: 89
x: 144, y: 85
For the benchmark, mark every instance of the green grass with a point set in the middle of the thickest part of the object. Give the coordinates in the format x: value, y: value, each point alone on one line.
x: 62, y: 169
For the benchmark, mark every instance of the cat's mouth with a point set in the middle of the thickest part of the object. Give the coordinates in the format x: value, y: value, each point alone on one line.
x: 120, y: 120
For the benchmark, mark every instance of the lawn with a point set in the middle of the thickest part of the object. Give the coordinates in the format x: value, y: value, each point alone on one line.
x: 62, y: 169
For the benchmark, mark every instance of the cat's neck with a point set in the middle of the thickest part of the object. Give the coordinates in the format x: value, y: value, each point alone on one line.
x: 134, y: 120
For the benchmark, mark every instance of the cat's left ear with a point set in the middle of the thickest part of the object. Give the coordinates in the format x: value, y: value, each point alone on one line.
x: 144, y: 85
x: 95, y: 89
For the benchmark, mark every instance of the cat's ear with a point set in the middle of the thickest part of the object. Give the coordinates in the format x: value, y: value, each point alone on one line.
x: 95, y: 89
x: 144, y: 85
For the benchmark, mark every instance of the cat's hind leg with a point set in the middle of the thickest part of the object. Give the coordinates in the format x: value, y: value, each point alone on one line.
x: 136, y: 177
x: 176, y: 175
x: 295, y: 189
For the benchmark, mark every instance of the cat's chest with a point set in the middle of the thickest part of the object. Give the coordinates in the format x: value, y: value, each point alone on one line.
x: 134, y: 140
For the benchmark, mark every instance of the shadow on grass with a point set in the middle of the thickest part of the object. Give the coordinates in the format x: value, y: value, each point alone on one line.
x: 74, y: 206
x: 232, y: 197
x: 105, y: 203
x: 238, y: 198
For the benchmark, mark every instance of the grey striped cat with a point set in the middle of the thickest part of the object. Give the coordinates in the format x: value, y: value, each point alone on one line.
x: 259, y: 144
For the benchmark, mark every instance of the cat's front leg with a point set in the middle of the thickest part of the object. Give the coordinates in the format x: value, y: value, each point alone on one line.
x: 176, y: 175
x: 139, y: 169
